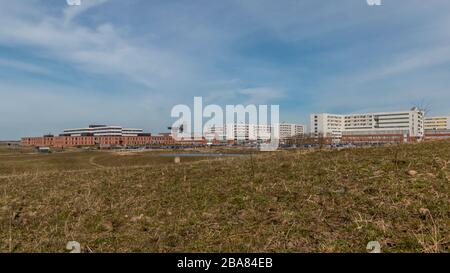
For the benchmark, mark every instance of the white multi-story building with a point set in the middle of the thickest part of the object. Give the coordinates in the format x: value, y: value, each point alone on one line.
x: 407, y: 123
x: 103, y: 130
x: 329, y: 125
x: 253, y: 132
x: 287, y: 130
x: 437, y: 123
x: 239, y: 132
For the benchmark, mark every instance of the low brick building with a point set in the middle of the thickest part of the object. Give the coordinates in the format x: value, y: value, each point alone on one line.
x: 437, y: 134
x: 97, y: 141
x: 102, y: 136
x: 378, y: 139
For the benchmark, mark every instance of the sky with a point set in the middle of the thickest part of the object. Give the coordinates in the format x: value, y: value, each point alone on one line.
x: 129, y: 62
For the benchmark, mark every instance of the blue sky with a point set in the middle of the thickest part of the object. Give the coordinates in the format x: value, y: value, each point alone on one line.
x: 129, y: 62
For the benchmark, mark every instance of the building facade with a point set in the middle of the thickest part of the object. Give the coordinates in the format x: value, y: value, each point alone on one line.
x: 381, y: 127
x: 97, y: 141
x: 287, y: 130
x: 244, y: 132
x: 103, y: 130
x: 102, y: 136
x: 437, y: 128
x: 327, y: 125
x: 237, y: 132
x: 437, y: 123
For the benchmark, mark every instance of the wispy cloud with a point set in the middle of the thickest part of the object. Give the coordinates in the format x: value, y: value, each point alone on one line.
x: 260, y: 95
x: 245, y: 96
x: 101, y: 49
x: 23, y: 66
x: 71, y: 12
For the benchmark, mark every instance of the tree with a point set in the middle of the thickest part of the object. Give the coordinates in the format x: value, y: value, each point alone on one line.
x: 423, y: 106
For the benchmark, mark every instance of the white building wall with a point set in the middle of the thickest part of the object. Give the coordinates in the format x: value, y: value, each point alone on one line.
x: 289, y: 130
x: 252, y: 132
x: 437, y: 123
x: 104, y: 131
x: 332, y: 125
x: 328, y: 125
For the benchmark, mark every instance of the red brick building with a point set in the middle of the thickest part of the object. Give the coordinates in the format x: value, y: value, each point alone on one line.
x: 437, y: 134
x: 103, y: 136
x: 377, y: 138
x: 98, y: 141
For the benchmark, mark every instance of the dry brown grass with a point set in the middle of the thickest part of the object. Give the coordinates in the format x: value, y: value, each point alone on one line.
x: 288, y: 201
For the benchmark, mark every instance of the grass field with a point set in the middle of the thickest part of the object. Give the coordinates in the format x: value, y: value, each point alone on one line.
x: 285, y: 201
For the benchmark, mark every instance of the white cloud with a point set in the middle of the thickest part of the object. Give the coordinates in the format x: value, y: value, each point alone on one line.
x: 100, y: 50
x: 260, y: 95
x: 23, y: 66
x: 245, y: 96
x: 71, y: 12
